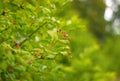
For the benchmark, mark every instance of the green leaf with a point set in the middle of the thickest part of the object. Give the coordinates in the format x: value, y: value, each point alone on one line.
x: 3, y: 66
x: 20, y: 68
x: 53, y: 34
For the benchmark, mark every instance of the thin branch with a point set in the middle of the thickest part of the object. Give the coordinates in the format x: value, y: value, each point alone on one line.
x: 32, y: 34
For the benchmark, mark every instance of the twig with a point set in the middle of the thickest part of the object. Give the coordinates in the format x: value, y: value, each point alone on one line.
x: 32, y: 34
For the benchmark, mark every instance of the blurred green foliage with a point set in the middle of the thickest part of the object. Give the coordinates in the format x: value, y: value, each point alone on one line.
x: 47, y: 40
x: 93, y: 11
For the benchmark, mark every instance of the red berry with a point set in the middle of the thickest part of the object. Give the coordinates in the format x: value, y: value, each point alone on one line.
x: 16, y: 44
x: 30, y: 62
x: 14, y: 22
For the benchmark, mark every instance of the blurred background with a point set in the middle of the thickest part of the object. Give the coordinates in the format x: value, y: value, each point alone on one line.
x: 94, y: 26
x: 95, y: 40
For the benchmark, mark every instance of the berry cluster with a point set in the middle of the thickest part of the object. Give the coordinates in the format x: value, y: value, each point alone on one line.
x: 63, y: 34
